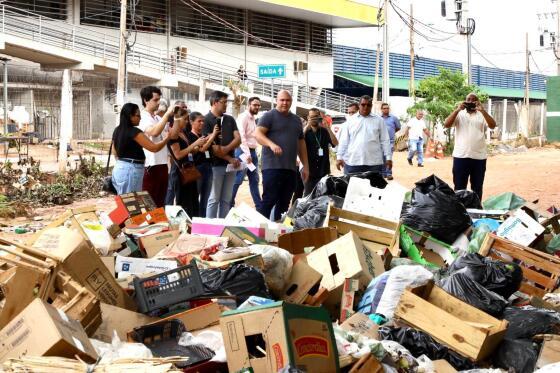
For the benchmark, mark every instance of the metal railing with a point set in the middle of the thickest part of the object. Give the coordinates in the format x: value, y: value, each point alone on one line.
x: 93, y: 43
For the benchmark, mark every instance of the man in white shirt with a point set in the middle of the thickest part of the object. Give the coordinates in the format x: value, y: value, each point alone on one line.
x: 155, y: 167
x: 469, y: 153
x: 363, y: 142
x: 247, y: 127
x: 416, y: 128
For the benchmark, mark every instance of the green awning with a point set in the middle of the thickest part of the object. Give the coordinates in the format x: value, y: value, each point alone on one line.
x: 400, y: 83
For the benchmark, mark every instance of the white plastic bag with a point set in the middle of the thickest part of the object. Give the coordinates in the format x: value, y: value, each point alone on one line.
x: 120, y: 350
x: 208, y: 338
x: 277, y: 266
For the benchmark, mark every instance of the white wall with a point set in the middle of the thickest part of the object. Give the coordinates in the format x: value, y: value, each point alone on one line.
x: 233, y: 55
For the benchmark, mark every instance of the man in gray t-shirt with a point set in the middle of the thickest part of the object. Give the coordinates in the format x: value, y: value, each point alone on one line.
x: 281, y: 134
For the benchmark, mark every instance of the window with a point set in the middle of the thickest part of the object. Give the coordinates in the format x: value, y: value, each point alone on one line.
x: 146, y: 15
x: 47, y: 8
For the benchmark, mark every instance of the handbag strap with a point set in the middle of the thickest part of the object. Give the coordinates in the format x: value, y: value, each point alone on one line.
x: 175, y: 160
x: 109, y: 159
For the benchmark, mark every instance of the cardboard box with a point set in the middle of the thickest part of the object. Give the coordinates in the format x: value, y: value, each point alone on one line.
x: 520, y: 228
x: 109, y: 262
x: 349, y: 288
x: 42, y: 330
x: 268, y: 338
x: 427, y: 250
x: 367, y: 364
x: 156, y: 242
x: 442, y: 366
x: 550, y: 351
x: 360, y: 323
x: 347, y: 257
x: 120, y: 320
x: 138, y: 266
x: 241, y: 237
x: 296, y: 242
x: 150, y: 217
x: 304, y: 282
x: 197, y: 318
x: 454, y: 323
x: 131, y: 204
x: 83, y: 264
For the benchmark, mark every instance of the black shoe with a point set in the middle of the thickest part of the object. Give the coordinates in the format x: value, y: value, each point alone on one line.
x: 409, y: 161
x: 420, y: 165
x: 389, y: 177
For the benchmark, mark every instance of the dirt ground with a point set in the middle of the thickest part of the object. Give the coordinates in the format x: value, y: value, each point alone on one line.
x: 533, y: 175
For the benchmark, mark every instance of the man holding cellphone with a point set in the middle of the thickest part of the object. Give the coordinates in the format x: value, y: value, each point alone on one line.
x: 469, y: 154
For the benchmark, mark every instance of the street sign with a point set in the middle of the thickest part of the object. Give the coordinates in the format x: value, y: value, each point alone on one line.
x: 272, y: 71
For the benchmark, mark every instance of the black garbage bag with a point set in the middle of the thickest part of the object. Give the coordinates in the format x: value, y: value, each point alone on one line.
x: 529, y: 321
x: 435, y: 209
x: 519, y: 354
x: 239, y: 279
x: 420, y: 343
x: 469, y: 199
x: 337, y: 185
x: 463, y: 287
x: 310, y: 213
x: 501, y: 278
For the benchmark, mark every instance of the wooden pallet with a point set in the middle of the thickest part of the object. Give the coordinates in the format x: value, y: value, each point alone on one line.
x: 376, y: 233
x: 464, y: 328
x: 76, y: 301
x: 541, y: 271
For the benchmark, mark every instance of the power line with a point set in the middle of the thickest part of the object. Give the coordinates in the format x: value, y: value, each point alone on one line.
x: 485, y: 58
x: 536, y: 65
x: 422, y: 23
x: 416, y: 31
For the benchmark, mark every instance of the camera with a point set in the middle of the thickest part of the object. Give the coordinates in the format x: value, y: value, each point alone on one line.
x: 470, y: 105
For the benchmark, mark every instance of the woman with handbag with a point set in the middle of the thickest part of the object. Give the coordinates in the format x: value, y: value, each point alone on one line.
x: 202, y: 158
x: 184, y: 174
x: 128, y: 141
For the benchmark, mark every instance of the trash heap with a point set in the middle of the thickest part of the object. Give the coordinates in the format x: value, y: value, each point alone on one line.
x: 360, y: 276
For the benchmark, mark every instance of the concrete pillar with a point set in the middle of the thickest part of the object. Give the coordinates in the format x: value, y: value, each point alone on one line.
x: 541, y: 132
x: 295, y: 98
x: 202, y: 94
x: 504, y: 120
x: 489, y: 110
x: 66, y: 117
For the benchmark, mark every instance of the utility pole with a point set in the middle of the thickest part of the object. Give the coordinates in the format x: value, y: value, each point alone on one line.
x: 376, y: 79
x: 5, y: 60
x: 385, y: 88
x: 411, y: 86
x: 527, y: 72
x: 557, y: 34
x: 121, y: 74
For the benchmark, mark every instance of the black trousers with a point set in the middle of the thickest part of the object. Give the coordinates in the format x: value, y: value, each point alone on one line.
x: 465, y: 168
x: 278, y: 188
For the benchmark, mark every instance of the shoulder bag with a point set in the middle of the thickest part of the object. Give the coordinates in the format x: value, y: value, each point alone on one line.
x: 187, y: 170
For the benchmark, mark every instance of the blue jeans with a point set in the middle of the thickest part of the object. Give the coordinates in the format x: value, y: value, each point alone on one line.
x: 278, y: 187
x: 219, y: 201
x: 170, y: 194
x: 127, y: 177
x: 253, y: 179
x: 204, y: 185
x: 388, y: 172
x: 359, y: 169
x: 416, y: 146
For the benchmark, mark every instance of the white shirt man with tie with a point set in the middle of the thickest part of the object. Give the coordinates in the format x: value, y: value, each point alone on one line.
x: 363, y: 142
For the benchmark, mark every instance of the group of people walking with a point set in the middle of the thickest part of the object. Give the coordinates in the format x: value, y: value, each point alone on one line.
x: 199, y: 161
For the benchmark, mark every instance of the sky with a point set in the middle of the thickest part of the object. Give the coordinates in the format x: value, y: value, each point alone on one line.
x: 499, y: 35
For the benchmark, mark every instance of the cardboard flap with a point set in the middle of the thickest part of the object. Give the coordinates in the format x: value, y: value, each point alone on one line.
x: 302, y: 279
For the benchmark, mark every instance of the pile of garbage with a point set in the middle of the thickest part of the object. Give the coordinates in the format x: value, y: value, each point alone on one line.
x: 360, y: 276
x: 27, y: 185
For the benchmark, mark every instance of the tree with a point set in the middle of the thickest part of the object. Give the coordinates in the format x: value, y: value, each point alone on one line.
x: 236, y: 87
x: 441, y: 94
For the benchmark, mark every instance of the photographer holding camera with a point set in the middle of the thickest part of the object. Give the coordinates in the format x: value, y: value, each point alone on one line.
x: 469, y: 154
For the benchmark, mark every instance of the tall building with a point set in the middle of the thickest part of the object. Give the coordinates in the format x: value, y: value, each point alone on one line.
x: 188, y: 47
